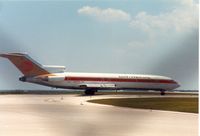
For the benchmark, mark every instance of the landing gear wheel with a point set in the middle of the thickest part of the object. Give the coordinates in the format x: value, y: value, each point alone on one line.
x: 162, y: 92
x: 90, y: 92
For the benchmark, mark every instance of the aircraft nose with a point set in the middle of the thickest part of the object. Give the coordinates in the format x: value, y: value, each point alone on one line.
x: 177, y: 84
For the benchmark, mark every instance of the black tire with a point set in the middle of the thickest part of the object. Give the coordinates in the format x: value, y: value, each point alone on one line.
x: 162, y: 92
x: 90, y: 92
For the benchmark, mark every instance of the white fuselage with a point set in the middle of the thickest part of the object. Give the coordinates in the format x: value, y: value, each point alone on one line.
x: 72, y: 80
x: 55, y: 76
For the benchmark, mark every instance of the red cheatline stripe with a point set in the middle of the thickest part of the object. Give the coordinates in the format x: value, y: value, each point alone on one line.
x: 118, y: 80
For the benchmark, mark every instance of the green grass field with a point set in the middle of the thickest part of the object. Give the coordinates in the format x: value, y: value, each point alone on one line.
x: 168, y: 104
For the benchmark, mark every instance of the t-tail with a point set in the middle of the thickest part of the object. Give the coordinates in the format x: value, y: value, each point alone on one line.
x: 55, y: 76
x: 25, y: 64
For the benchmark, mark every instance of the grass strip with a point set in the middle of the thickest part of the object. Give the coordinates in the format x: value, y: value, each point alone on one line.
x: 168, y: 104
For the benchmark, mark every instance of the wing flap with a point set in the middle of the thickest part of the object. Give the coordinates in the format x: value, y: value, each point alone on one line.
x: 98, y: 85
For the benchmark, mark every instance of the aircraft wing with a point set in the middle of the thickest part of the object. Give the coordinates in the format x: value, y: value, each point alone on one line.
x: 88, y: 85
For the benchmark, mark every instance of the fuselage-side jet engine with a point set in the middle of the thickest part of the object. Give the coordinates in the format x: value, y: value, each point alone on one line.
x: 56, y: 76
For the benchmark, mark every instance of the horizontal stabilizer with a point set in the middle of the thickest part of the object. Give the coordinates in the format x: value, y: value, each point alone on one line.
x: 55, y: 69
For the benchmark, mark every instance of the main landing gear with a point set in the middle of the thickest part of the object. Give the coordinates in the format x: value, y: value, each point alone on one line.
x: 162, y: 92
x: 90, y: 91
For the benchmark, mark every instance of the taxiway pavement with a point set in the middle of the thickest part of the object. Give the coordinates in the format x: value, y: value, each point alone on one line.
x: 71, y: 115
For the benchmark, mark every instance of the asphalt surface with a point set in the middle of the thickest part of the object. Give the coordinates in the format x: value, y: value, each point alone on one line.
x: 71, y: 115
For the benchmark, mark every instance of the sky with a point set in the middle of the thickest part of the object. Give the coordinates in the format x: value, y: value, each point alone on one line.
x: 116, y: 36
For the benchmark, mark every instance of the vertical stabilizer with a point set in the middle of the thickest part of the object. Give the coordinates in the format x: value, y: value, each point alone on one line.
x: 25, y: 64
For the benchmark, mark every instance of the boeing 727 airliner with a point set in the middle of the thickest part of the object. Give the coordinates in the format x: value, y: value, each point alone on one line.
x: 55, y: 76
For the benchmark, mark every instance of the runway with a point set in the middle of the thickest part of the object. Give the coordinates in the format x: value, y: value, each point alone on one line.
x: 71, y: 115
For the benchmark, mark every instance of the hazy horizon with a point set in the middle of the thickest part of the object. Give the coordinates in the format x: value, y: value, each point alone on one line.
x: 136, y: 37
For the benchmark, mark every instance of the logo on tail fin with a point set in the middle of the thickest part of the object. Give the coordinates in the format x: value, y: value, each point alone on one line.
x: 26, y: 66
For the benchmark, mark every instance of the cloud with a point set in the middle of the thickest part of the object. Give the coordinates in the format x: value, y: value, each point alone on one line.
x: 165, y: 43
x: 105, y: 15
x: 181, y: 19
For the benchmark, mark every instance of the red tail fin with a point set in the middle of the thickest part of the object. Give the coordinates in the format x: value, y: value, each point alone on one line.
x: 25, y: 64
